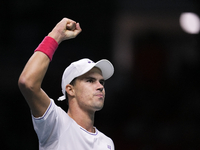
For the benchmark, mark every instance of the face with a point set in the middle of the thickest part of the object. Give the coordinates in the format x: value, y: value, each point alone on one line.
x: 89, y: 90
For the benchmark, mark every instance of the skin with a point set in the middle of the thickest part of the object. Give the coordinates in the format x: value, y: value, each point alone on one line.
x: 34, y: 71
x: 86, y: 97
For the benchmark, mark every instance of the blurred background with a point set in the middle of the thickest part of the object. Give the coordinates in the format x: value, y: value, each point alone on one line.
x: 153, y: 99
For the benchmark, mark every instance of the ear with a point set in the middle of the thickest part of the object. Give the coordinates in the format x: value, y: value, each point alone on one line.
x: 70, y: 89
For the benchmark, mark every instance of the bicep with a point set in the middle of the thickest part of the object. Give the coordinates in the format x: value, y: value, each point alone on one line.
x: 38, y: 101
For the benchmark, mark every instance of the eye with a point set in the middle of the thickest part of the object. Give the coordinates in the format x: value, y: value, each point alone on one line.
x: 90, y: 80
x: 102, y: 82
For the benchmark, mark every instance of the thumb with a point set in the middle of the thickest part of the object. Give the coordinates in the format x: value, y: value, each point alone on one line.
x: 71, y: 26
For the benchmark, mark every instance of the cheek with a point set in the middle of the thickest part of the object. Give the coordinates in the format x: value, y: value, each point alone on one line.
x: 83, y: 93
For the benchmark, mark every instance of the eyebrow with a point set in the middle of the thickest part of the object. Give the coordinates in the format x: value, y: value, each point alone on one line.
x: 94, y: 79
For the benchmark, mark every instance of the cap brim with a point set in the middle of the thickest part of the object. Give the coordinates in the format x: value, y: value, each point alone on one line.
x: 106, y: 68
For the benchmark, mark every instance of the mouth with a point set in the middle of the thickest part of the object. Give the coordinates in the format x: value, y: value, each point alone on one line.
x: 100, y: 95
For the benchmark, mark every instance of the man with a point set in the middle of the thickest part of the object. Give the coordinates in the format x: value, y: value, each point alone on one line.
x: 83, y: 87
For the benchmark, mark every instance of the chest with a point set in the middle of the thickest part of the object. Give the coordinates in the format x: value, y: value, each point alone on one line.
x: 82, y: 140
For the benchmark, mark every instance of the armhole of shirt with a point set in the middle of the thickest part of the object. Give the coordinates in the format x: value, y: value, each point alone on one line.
x: 46, y: 112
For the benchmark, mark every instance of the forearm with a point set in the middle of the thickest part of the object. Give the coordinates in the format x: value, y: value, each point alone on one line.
x: 34, y: 71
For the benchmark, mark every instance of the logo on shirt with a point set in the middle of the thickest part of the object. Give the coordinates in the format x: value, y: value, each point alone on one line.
x: 109, y: 147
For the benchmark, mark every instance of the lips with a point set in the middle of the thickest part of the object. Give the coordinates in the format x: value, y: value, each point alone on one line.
x: 101, y: 95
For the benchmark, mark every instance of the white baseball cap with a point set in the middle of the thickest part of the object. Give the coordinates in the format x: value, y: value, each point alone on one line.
x: 80, y: 67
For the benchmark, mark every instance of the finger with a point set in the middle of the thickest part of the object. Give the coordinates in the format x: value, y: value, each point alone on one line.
x: 71, y: 26
x: 78, y: 29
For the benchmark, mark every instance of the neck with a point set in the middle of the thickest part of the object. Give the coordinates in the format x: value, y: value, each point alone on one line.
x: 83, y: 118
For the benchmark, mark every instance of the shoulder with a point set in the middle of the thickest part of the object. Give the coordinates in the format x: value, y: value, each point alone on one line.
x: 52, y: 124
x: 107, y: 140
x: 53, y: 111
x: 104, y: 137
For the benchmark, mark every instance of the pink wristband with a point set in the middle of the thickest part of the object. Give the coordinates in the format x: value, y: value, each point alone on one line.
x: 48, y: 46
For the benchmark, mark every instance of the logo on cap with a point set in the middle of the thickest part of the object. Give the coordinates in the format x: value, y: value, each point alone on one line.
x: 108, y: 146
x: 90, y: 62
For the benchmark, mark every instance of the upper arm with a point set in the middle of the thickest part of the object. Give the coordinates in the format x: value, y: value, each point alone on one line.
x: 37, y: 101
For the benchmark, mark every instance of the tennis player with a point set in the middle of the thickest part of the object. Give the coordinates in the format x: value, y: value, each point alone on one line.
x: 83, y: 88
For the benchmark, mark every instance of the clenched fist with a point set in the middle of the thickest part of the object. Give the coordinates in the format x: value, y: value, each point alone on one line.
x: 65, y: 29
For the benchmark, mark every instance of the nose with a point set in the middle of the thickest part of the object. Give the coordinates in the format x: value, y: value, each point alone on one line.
x: 100, y: 86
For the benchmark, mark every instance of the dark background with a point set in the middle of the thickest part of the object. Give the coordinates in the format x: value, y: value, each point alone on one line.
x: 153, y: 99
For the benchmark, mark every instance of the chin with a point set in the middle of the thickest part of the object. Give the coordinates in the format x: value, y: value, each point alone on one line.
x: 97, y: 108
